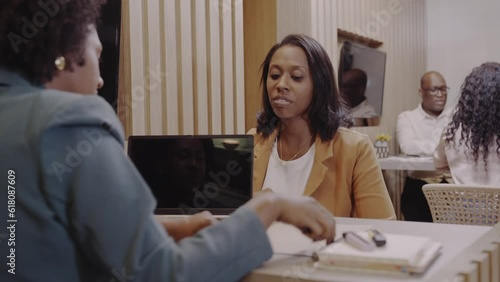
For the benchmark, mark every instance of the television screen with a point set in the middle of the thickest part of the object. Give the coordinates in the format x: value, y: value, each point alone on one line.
x: 361, y: 80
x: 109, y: 33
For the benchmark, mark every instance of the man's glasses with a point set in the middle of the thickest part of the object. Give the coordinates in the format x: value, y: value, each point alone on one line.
x: 434, y: 91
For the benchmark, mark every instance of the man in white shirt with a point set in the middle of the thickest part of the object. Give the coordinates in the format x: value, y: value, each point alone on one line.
x: 418, y: 133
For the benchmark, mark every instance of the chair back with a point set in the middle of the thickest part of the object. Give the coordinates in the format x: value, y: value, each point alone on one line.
x: 463, y: 204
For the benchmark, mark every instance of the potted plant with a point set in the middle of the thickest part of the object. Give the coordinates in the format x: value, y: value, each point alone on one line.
x: 382, y: 145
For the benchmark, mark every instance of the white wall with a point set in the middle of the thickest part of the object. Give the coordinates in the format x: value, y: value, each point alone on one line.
x: 316, y: 18
x: 462, y: 34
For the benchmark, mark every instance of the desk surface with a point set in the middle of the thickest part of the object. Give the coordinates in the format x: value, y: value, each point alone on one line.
x: 407, y: 163
x: 288, y: 240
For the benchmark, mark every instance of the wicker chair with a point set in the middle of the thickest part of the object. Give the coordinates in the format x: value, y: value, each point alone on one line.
x: 463, y: 204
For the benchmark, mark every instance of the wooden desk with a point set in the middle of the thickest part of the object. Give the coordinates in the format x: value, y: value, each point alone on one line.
x: 287, y: 239
x: 402, y: 164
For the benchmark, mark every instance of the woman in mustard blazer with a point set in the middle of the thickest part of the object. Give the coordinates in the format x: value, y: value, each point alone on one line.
x: 302, y: 145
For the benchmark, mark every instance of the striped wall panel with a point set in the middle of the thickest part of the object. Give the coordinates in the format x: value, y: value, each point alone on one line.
x: 184, y: 71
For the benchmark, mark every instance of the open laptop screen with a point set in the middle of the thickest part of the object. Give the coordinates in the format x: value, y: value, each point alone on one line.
x: 188, y: 174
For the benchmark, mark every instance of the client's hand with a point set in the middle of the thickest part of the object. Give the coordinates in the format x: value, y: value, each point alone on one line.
x: 304, y: 212
x: 265, y: 190
x: 180, y: 228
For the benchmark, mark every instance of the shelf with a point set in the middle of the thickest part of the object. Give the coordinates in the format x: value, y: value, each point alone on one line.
x: 359, y: 38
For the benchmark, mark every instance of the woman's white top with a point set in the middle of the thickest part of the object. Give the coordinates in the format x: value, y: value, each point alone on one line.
x: 463, y: 169
x: 289, y: 177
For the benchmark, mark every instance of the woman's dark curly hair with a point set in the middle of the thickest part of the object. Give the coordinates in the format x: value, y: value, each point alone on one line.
x: 34, y: 33
x: 328, y: 110
x: 478, y: 112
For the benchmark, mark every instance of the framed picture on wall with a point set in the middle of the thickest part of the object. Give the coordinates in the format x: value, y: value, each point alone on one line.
x: 361, y: 80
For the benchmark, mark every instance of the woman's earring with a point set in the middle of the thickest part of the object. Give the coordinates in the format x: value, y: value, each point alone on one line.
x: 60, y: 63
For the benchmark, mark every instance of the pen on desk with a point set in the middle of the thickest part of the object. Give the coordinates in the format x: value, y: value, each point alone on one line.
x: 358, y: 242
x: 315, y: 255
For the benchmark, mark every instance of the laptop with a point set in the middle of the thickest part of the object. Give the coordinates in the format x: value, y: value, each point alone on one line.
x: 188, y: 174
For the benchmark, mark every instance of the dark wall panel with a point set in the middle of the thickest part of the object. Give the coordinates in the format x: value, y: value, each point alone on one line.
x: 109, y: 33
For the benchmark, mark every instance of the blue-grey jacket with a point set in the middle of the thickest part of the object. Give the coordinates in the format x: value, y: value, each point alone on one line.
x: 74, y: 208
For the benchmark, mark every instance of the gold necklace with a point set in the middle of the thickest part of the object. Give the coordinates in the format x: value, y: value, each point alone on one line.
x: 283, y: 162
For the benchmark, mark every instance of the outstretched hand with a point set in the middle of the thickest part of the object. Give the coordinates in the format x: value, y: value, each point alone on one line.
x: 303, y: 212
x: 180, y: 228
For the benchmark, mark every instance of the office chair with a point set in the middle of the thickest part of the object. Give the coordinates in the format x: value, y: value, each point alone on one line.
x: 463, y: 204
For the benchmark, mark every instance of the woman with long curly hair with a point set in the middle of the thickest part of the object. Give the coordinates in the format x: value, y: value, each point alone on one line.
x: 78, y: 209
x: 302, y: 143
x: 470, y: 145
